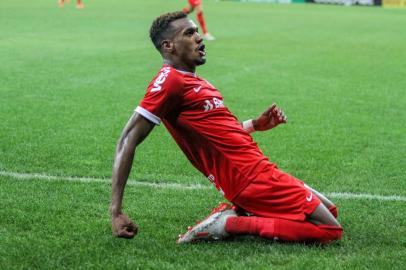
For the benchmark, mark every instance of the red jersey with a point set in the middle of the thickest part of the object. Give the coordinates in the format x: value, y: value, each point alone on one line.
x: 210, y: 136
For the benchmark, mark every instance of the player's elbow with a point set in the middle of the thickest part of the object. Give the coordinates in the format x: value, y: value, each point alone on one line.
x: 136, y: 130
x: 128, y: 140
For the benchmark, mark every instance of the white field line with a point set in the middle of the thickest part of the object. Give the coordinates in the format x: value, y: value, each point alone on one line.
x: 348, y: 195
x: 32, y: 176
x: 130, y: 182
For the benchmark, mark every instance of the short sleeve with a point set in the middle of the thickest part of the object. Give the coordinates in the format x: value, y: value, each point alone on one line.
x: 163, y: 95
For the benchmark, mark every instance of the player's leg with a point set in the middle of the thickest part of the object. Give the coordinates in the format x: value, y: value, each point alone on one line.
x: 79, y: 4
x: 61, y: 3
x: 223, y: 222
x: 278, y: 194
x: 329, y: 204
x: 202, y: 21
x: 283, y: 229
x: 284, y: 208
x: 192, y: 5
x: 188, y: 9
x: 200, y: 18
x: 323, y: 216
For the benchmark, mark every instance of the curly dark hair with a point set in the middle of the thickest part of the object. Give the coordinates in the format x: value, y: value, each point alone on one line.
x: 160, y: 28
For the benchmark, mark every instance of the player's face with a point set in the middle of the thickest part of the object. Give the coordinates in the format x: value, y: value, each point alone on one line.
x: 188, y: 43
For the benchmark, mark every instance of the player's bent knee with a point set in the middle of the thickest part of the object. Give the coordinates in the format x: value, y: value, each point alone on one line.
x: 322, y: 215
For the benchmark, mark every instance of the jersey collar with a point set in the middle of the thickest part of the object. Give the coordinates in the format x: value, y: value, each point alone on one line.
x: 181, y: 71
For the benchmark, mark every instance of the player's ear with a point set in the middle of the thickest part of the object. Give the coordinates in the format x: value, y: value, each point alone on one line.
x: 167, y: 46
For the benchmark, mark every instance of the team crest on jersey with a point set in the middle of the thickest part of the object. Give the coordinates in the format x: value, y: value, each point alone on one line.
x: 161, y: 79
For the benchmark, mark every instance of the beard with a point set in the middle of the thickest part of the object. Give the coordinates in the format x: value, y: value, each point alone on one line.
x: 200, y: 62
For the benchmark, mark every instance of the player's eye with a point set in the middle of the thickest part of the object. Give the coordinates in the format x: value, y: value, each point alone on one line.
x: 190, y: 32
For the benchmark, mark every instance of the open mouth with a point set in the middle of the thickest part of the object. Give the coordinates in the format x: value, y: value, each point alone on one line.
x: 201, y: 49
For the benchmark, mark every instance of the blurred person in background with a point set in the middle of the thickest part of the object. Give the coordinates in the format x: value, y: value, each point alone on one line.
x: 79, y: 3
x: 198, y: 6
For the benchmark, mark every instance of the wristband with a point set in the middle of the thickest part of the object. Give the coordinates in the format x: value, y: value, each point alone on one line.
x: 248, y: 126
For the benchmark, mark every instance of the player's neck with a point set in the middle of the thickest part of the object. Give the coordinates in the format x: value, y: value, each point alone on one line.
x: 179, y: 66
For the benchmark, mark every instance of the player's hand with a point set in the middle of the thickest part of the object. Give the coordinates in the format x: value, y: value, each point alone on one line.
x: 270, y: 118
x: 122, y: 226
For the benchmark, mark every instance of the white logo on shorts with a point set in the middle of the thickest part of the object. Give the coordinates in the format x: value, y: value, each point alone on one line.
x: 309, y: 198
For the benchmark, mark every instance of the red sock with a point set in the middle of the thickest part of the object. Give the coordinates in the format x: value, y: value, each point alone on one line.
x: 282, y: 229
x: 333, y: 210
x: 202, y: 22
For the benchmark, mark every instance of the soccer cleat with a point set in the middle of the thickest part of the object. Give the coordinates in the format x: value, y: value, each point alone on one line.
x: 208, y: 37
x: 211, y: 228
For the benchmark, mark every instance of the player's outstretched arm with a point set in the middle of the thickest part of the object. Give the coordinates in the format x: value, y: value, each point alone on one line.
x: 270, y: 118
x: 136, y: 130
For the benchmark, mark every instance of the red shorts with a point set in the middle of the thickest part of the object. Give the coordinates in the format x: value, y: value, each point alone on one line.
x: 195, y: 3
x: 277, y: 194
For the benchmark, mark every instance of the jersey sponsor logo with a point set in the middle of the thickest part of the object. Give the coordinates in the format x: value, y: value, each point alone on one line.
x: 208, y: 105
x: 212, y: 104
x: 309, y: 198
x: 160, y: 79
x: 197, y: 89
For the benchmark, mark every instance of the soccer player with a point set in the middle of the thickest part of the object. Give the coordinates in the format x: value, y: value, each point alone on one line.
x: 79, y: 3
x: 197, y: 5
x: 266, y: 201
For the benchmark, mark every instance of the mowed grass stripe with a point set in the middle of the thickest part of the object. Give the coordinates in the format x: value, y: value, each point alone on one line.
x: 131, y: 182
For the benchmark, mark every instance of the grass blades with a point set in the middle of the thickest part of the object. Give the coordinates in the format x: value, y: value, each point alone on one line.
x: 70, y: 79
x: 65, y: 225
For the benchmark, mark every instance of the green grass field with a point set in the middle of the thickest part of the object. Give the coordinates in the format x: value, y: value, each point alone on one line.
x: 70, y: 79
